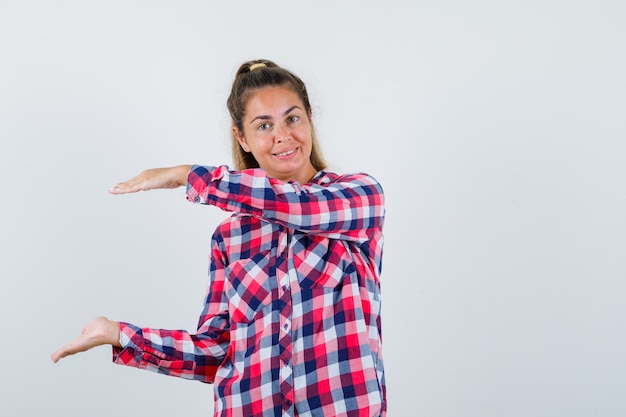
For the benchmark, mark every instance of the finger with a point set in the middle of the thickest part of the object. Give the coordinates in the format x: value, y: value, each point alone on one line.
x: 61, y: 353
x: 141, y: 182
x: 122, y: 189
x: 80, y: 344
x: 58, y: 355
x: 130, y: 186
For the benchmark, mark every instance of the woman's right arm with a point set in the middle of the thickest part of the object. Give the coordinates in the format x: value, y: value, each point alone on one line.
x: 347, y: 207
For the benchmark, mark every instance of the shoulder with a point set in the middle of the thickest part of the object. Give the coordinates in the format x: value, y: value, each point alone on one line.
x: 355, y: 179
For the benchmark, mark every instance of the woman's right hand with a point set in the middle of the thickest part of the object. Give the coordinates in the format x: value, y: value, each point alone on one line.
x: 154, y: 178
x: 99, y: 331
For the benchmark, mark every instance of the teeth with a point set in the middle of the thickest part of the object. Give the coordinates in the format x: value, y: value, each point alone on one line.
x: 286, y: 153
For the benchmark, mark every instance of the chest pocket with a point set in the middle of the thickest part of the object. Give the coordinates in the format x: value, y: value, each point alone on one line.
x: 321, y: 262
x: 249, y: 287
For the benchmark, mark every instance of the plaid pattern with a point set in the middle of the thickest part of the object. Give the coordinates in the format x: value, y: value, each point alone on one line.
x: 291, y: 323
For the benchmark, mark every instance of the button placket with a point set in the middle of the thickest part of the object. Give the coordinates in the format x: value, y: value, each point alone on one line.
x: 284, y: 337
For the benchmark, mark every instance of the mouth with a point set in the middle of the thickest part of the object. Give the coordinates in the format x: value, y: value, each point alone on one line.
x: 285, y: 153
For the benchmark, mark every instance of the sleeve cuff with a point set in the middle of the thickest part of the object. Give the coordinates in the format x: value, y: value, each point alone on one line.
x: 198, y: 181
x: 124, y: 339
x: 129, y: 353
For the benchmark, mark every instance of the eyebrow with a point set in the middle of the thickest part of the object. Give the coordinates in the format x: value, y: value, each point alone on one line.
x: 286, y: 112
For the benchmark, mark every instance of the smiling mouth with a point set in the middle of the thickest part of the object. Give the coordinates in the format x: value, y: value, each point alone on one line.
x: 289, y: 152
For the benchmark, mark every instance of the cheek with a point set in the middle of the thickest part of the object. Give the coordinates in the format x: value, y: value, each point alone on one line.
x: 259, y: 145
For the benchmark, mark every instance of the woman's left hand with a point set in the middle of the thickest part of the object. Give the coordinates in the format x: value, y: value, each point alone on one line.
x: 99, y: 331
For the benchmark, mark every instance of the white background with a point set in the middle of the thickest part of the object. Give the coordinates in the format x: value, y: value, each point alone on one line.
x: 497, y: 129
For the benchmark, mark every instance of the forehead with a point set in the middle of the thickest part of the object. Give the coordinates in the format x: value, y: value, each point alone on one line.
x: 269, y: 100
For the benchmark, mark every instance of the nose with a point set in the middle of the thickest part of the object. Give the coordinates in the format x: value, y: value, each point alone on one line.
x: 282, y: 133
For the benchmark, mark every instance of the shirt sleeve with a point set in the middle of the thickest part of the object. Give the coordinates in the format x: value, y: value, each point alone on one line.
x: 349, y: 207
x: 178, y: 352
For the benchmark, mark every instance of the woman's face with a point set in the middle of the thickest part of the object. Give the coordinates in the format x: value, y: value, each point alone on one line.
x: 277, y: 130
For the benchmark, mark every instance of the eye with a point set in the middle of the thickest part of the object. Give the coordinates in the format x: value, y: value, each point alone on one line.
x: 293, y: 119
x: 263, y: 126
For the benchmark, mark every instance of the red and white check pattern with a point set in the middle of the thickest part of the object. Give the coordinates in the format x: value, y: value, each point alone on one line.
x: 291, y: 324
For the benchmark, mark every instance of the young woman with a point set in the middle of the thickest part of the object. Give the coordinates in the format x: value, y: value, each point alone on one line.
x: 291, y: 323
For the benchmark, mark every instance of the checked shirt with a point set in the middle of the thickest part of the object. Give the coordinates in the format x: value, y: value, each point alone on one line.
x: 291, y: 322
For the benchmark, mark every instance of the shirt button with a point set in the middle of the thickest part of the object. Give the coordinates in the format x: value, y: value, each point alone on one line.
x: 285, y: 288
